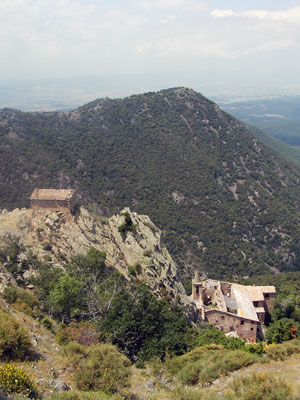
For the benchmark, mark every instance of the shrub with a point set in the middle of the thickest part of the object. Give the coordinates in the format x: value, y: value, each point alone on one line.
x: 211, y: 335
x: 14, y: 340
x: 98, y: 367
x: 15, y: 294
x: 46, y: 323
x: 140, y: 364
x: 9, y: 253
x: 259, y: 387
x: 282, y: 330
x: 183, y: 393
x: 175, y: 364
x: 135, y: 269
x: 14, y: 379
x: 257, y: 348
x: 83, y: 333
x: 282, y: 351
x: 128, y: 226
x: 206, y: 366
x: 131, y: 270
x: 86, y: 396
x: 157, y: 367
x: 74, y: 353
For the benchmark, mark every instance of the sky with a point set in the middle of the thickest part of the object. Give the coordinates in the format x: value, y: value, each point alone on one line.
x: 209, y: 45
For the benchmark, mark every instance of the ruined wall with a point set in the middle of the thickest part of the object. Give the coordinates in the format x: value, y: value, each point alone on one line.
x: 245, y: 329
x: 261, y: 317
x: 269, y: 302
x: 226, y: 288
x: 52, y: 205
x: 197, y: 291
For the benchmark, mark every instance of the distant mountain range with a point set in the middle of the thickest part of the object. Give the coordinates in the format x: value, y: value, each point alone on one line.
x: 226, y: 202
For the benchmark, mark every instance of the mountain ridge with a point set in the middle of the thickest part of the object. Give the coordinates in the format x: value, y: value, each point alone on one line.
x: 226, y: 203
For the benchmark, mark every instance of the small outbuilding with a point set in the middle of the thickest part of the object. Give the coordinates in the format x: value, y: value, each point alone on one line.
x: 53, y: 199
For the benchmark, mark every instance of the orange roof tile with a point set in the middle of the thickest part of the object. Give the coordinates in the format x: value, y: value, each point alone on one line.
x: 52, y: 194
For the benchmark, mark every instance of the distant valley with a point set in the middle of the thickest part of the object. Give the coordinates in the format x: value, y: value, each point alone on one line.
x: 278, y: 117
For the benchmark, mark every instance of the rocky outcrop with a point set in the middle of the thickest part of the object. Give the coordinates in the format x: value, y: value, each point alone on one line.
x: 138, y: 254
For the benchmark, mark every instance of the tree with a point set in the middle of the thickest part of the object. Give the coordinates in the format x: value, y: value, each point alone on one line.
x: 66, y: 297
x: 100, y: 284
x: 282, y: 330
x: 144, y: 326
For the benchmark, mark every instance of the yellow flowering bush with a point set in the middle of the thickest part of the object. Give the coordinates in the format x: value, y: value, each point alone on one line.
x: 14, y: 379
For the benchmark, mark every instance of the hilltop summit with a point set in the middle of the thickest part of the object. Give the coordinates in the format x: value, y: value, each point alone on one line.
x: 224, y: 201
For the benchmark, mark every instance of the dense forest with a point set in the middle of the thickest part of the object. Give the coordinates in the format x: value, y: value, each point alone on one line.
x: 227, y: 204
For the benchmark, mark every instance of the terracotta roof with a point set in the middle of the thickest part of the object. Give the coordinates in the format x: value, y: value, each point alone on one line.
x: 52, y: 194
x: 244, y: 303
x: 268, y: 289
x: 257, y: 292
x: 260, y: 310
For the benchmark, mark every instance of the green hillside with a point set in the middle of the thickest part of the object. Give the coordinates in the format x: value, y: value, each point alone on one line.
x: 225, y: 201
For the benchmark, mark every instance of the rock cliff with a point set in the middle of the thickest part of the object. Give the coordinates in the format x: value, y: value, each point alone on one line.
x: 138, y: 255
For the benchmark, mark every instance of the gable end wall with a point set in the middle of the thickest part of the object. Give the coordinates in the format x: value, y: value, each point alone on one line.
x: 245, y: 328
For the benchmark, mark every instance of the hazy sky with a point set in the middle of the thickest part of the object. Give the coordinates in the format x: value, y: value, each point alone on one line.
x: 195, y: 42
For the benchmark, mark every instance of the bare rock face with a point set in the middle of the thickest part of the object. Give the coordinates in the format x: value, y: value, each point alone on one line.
x: 138, y: 254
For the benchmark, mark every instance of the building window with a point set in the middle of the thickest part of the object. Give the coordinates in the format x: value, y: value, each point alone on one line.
x: 197, y: 289
x: 251, y: 329
x: 242, y: 322
x: 267, y: 295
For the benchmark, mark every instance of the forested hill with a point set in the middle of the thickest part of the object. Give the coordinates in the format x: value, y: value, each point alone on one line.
x: 225, y: 201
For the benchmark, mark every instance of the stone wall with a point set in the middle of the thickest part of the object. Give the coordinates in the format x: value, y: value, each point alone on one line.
x: 226, y: 322
x: 270, y: 300
x: 51, y: 205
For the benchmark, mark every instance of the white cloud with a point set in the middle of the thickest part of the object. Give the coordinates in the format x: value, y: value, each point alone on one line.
x: 223, y: 13
x: 187, y: 46
x: 291, y: 15
x: 170, y: 4
x: 268, y: 46
x: 46, y: 38
x: 168, y: 19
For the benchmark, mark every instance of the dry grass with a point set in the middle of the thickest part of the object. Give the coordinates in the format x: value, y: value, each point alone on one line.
x: 287, y: 370
x: 164, y: 388
x: 51, y: 367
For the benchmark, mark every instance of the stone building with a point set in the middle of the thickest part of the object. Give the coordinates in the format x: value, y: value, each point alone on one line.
x: 232, y: 307
x: 53, y: 199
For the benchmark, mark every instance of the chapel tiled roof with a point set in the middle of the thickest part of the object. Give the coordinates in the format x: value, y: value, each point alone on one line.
x: 52, y: 194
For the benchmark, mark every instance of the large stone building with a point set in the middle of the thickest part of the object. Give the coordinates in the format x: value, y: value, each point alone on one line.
x: 232, y: 307
x: 53, y: 199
